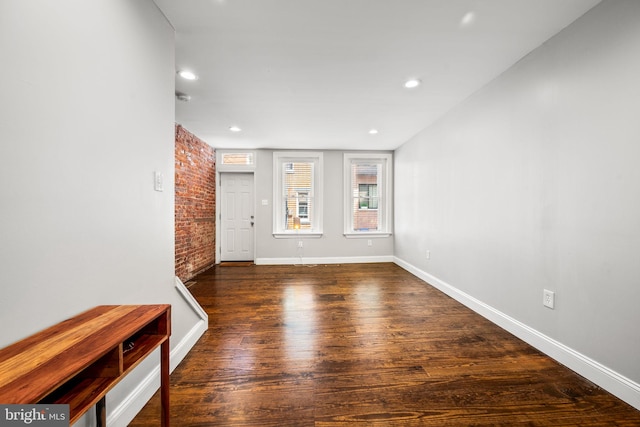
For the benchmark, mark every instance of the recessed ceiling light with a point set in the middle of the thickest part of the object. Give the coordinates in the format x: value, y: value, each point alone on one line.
x: 187, y: 75
x: 235, y: 129
x: 468, y: 19
x: 373, y: 131
x: 410, y: 84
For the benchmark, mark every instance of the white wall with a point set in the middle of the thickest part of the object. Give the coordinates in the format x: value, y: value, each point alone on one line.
x: 86, y: 117
x: 332, y: 247
x: 534, y: 183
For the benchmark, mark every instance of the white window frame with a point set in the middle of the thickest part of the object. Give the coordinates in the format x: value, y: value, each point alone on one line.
x: 280, y: 160
x: 384, y: 193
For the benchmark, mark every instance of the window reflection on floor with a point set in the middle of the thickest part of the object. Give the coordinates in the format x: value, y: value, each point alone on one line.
x: 367, y: 318
x: 300, y: 322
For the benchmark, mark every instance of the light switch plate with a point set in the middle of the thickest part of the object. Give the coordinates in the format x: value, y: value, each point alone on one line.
x: 158, y: 181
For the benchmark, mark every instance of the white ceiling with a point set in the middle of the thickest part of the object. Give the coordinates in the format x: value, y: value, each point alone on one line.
x: 320, y: 74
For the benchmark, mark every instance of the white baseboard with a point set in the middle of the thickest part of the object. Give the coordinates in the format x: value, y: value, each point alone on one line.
x: 324, y: 260
x: 613, y: 382
x: 195, y: 306
x: 128, y: 408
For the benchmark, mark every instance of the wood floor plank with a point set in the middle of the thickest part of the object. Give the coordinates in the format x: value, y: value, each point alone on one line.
x: 364, y: 345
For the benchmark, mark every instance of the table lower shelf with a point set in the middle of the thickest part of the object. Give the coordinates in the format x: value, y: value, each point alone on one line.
x: 81, y: 396
x: 83, y: 393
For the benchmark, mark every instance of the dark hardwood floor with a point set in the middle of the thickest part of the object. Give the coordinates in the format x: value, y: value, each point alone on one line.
x: 364, y: 345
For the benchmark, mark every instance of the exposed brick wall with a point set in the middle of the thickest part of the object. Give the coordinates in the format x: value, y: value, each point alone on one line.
x: 195, y: 205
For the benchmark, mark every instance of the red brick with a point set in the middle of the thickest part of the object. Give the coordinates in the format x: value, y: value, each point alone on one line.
x: 195, y: 187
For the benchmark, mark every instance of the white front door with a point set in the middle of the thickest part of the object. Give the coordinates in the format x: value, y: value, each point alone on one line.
x: 236, y: 239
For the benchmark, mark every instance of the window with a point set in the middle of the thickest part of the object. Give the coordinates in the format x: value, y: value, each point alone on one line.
x: 237, y: 158
x: 367, y: 180
x: 235, y: 161
x: 302, y: 208
x: 297, y: 194
x: 368, y: 196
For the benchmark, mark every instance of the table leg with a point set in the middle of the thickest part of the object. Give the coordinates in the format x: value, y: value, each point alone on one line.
x: 164, y: 383
x: 101, y: 412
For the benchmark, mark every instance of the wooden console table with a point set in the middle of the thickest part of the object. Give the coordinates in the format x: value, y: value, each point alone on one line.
x: 77, y: 361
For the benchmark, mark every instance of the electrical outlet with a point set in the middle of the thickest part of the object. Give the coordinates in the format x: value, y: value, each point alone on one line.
x: 369, y: 242
x: 548, y: 298
x: 299, y: 243
x: 428, y: 254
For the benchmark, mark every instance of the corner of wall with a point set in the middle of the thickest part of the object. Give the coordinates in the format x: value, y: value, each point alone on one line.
x: 613, y: 382
x: 128, y: 408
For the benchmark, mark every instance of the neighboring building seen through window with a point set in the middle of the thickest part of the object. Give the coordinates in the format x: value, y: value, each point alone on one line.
x: 298, y: 179
x: 368, y: 195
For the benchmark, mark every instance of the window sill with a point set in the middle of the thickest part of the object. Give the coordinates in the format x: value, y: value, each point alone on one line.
x: 366, y: 235
x: 298, y: 235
